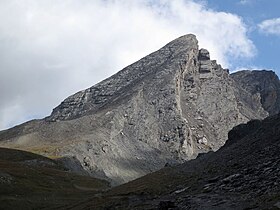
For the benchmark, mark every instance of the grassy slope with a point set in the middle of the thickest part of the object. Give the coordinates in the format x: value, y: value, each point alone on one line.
x: 30, y: 181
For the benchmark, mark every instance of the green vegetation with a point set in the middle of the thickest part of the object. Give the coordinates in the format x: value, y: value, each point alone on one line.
x: 26, y: 184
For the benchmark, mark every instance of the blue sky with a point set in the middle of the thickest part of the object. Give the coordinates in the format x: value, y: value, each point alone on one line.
x: 52, y: 49
x: 253, y: 12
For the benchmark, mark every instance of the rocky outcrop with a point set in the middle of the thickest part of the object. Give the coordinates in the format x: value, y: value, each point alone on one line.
x: 263, y: 84
x: 165, y: 108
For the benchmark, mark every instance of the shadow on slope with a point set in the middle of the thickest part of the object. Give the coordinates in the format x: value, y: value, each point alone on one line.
x: 243, y: 174
x: 30, y: 181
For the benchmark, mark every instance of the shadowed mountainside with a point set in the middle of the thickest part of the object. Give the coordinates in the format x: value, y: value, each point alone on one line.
x: 243, y: 174
x: 263, y: 83
x: 30, y: 181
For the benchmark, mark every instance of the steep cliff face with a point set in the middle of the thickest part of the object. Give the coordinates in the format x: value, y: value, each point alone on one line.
x: 261, y: 84
x: 164, y: 109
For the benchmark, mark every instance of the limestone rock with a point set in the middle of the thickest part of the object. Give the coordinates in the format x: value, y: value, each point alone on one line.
x: 165, y: 108
x: 203, y: 55
x: 263, y: 85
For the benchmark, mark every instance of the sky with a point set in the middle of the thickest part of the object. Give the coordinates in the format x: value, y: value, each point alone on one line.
x: 51, y: 49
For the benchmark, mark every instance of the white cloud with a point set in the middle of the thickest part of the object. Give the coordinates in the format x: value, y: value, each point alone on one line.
x: 245, y: 2
x: 270, y: 26
x: 248, y: 2
x: 51, y: 49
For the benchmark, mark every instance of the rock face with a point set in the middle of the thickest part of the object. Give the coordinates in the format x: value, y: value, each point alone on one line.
x: 166, y: 108
x: 261, y: 84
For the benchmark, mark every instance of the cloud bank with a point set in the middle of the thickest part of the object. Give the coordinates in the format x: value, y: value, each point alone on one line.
x: 51, y: 49
x: 270, y: 26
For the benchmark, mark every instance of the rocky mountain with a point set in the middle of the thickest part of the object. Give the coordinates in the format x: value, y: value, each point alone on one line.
x: 243, y: 174
x: 262, y: 84
x: 162, y: 110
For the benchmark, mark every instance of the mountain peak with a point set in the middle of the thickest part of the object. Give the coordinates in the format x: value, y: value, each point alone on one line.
x: 91, y: 99
x: 165, y: 108
x: 188, y: 40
